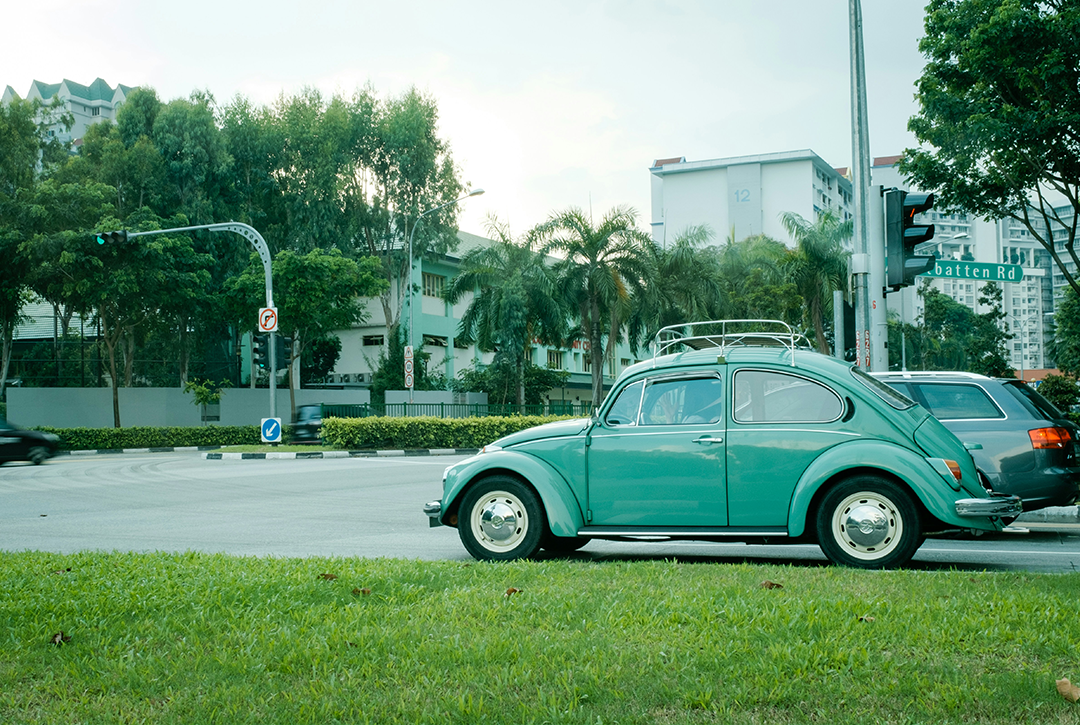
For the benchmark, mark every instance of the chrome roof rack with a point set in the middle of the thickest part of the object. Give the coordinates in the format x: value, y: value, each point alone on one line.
x: 726, y: 334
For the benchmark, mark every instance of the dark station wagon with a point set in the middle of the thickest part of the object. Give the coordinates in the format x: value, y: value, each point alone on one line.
x: 1021, y: 443
x: 728, y: 435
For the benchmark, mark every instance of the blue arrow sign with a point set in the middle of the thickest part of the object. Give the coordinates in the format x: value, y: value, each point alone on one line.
x: 271, y: 430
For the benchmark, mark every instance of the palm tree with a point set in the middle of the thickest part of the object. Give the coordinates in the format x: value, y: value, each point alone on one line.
x: 685, y: 286
x: 753, y: 282
x: 600, y: 270
x: 514, y: 301
x: 820, y: 264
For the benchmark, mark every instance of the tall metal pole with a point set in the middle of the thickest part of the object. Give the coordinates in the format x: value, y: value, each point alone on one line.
x: 860, y: 182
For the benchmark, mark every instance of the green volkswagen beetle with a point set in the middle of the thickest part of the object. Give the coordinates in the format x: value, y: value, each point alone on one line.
x: 727, y: 435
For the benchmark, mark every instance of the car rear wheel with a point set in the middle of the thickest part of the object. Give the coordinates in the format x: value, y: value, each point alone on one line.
x: 501, y: 519
x: 38, y: 455
x: 869, y: 523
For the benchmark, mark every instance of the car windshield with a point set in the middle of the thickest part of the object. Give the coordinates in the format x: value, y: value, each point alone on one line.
x: 891, y: 396
x: 1027, y: 394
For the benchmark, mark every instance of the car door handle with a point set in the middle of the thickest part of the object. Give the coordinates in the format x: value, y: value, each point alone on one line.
x: 707, y: 441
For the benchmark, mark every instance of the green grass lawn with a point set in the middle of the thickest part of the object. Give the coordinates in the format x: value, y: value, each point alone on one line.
x: 212, y: 638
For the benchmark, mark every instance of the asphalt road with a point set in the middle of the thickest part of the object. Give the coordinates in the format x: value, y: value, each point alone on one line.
x: 368, y: 507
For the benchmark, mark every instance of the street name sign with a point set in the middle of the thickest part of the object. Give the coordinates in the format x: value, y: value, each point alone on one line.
x: 953, y: 269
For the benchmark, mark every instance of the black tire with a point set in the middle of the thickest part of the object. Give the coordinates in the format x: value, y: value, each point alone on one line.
x: 501, y: 519
x: 890, y: 531
x: 564, y: 544
x: 38, y: 455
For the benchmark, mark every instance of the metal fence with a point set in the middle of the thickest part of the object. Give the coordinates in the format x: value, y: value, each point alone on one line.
x: 454, y: 410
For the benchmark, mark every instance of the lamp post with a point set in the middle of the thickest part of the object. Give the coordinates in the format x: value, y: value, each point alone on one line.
x: 474, y: 192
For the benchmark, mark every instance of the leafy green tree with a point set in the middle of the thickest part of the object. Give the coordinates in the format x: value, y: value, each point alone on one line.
x: 1066, y: 351
x: 196, y: 161
x: 500, y: 381
x: 322, y: 356
x: 514, y: 302
x: 315, y: 294
x: 390, y: 369
x: 998, y: 119
x: 601, y: 268
x: 754, y: 281
x: 987, y: 353
x: 1060, y: 390
x: 819, y: 265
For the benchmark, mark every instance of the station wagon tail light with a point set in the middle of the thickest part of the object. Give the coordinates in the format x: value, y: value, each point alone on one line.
x: 954, y: 469
x: 1049, y: 437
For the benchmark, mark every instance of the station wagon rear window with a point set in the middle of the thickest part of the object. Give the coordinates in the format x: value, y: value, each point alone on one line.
x: 957, y: 401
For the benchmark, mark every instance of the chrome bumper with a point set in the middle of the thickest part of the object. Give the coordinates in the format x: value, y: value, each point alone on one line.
x: 998, y: 505
x: 433, y: 509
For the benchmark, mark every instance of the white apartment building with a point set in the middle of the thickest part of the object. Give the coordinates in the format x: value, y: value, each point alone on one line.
x: 743, y: 196
x: 86, y: 104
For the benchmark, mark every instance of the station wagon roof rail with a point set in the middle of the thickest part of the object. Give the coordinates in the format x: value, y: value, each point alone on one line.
x: 726, y: 334
x: 931, y: 374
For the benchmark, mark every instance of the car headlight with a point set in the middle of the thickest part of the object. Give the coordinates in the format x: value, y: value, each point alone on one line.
x: 52, y: 437
x: 445, y: 473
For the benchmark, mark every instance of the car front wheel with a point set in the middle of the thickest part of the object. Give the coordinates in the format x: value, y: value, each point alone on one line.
x: 501, y: 519
x: 868, y: 523
x: 38, y: 454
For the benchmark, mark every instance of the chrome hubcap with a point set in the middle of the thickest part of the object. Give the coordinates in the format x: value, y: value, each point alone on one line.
x: 499, y: 521
x: 867, y: 525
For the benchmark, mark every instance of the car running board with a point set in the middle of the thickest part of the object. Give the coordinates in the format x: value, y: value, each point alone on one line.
x: 683, y: 532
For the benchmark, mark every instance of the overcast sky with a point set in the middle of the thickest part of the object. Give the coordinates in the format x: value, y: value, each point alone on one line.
x: 546, y: 105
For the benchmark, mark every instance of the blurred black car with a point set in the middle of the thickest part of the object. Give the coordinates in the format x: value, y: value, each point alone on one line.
x: 308, y: 422
x: 18, y: 444
x: 1020, y: 441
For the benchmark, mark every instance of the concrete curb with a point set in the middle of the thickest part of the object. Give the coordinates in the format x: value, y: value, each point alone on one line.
x: 1051, y: 515
x: 416, y: 452
x: 114, y: 451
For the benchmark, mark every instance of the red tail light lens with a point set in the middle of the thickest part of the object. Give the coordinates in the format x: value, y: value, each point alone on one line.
x: 1049, y: 437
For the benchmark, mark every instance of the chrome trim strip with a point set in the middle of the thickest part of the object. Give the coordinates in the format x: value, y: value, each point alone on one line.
x: 689, y: 532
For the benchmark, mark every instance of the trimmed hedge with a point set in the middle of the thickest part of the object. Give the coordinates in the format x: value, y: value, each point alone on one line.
x: 425, y: 431
x: 88, y: 439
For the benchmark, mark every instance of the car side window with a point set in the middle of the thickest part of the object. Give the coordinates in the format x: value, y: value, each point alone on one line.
x: 683, y: 401
x: 957, y: 401
x: 763, y: 396
x: 624, y: 411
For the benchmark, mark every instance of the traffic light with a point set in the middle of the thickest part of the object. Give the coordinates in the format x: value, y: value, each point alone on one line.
x: 260, y: 351
x: 117, y: 237
x: 902, y: 235
x: 284, y: 352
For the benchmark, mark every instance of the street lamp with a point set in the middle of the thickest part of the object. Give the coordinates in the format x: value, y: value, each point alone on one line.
x: 474, y: 192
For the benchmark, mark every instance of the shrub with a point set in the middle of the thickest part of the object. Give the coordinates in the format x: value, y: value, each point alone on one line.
x: 425, y: 431
x: 88, y: 439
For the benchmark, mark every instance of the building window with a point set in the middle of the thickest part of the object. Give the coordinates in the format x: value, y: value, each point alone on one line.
x: 95, y: 111
x: 373, y: 340
x: 555, y: 359
x: 433, y: 285
x: 586, y: 363
x: 435, y: 340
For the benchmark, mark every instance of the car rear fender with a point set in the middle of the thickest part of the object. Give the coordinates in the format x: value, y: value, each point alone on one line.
x: 563, y: 511
x: 868, y: 457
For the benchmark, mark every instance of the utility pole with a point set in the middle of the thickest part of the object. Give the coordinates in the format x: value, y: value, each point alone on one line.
x: 868, y: 262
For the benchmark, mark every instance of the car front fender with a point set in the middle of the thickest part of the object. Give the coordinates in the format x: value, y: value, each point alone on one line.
x: 563, y: 511
x: 868, y: 457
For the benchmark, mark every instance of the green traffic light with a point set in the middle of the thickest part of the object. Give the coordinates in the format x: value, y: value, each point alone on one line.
x: 100, y: 239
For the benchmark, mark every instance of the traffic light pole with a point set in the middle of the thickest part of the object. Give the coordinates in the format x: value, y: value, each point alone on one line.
x: 860, y: 182
x: 256, y: 240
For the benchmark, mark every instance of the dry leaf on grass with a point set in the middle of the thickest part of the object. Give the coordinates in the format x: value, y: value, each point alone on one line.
x: 60, y: 638
x: 328, y: 577
x: 510, y: 591
x: 62, y: 571
x: 361, y: 592
x: 771, y: 585
x: 866, y: 618
x: 1068, y: 690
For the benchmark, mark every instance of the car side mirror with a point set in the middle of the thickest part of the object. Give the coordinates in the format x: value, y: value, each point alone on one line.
x: 972, y: 446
